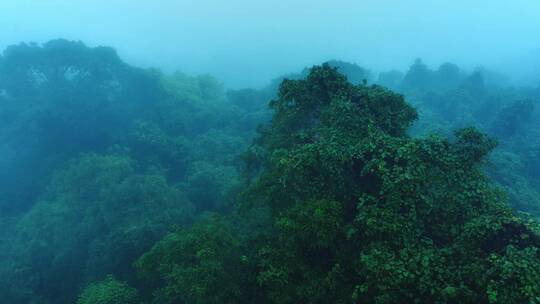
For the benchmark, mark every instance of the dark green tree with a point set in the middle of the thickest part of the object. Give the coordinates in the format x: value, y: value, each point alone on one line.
x: 366, y: 214
x: 204, y: 264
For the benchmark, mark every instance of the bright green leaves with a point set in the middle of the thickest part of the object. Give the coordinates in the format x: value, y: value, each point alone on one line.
x: 109, y: 291
x: 513, y: 277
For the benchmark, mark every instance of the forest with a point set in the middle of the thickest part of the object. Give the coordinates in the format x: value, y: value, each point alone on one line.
x: 334, y: 184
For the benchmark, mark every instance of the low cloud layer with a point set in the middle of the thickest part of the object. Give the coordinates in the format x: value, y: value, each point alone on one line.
x: 246, y: 43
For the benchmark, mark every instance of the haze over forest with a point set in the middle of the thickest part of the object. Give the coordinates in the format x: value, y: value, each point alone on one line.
x: 269, y: 152
x: 246, y: 43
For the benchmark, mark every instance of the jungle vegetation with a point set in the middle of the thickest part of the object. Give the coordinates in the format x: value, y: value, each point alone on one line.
x: 331, y: 185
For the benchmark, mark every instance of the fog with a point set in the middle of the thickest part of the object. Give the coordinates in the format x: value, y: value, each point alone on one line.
x: 246, y: 43
x: 270, y: 152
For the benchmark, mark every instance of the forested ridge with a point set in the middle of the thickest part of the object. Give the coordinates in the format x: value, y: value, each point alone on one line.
x: 331, y: 185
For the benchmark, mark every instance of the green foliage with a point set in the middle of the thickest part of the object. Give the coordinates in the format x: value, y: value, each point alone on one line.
x: 109, y: 291
x: 98, y: 210
x: 99, y: 160
x: 514, y: 276
x: 62, y: 99
x: 364, y: 213
x: 418, y: 76
x: 223, y: 180
x: 201, y: 89
x: 511, y: 119
x: 104, y: 165
x: 201, y: 265
x: 473, y: 145
x: 452, y: 99
x: 355, y: 74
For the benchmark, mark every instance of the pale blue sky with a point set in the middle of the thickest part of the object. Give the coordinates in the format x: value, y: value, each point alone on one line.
x: 247, y: 42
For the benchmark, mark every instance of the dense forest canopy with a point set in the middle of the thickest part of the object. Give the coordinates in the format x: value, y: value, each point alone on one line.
x: 335, y: 184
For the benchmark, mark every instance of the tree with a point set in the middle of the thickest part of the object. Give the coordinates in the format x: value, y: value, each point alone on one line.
x: 61, y: 99
x: 109, y: 291
x: 355, y: 74
x: 98, y: 215
x: 419, y: 76
x: 203, y: 264
x: 448, y: 76
x: 364, y: 213
x: 511, y: 119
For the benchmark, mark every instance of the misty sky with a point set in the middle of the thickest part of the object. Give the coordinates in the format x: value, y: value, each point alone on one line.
x: 248, y: 42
